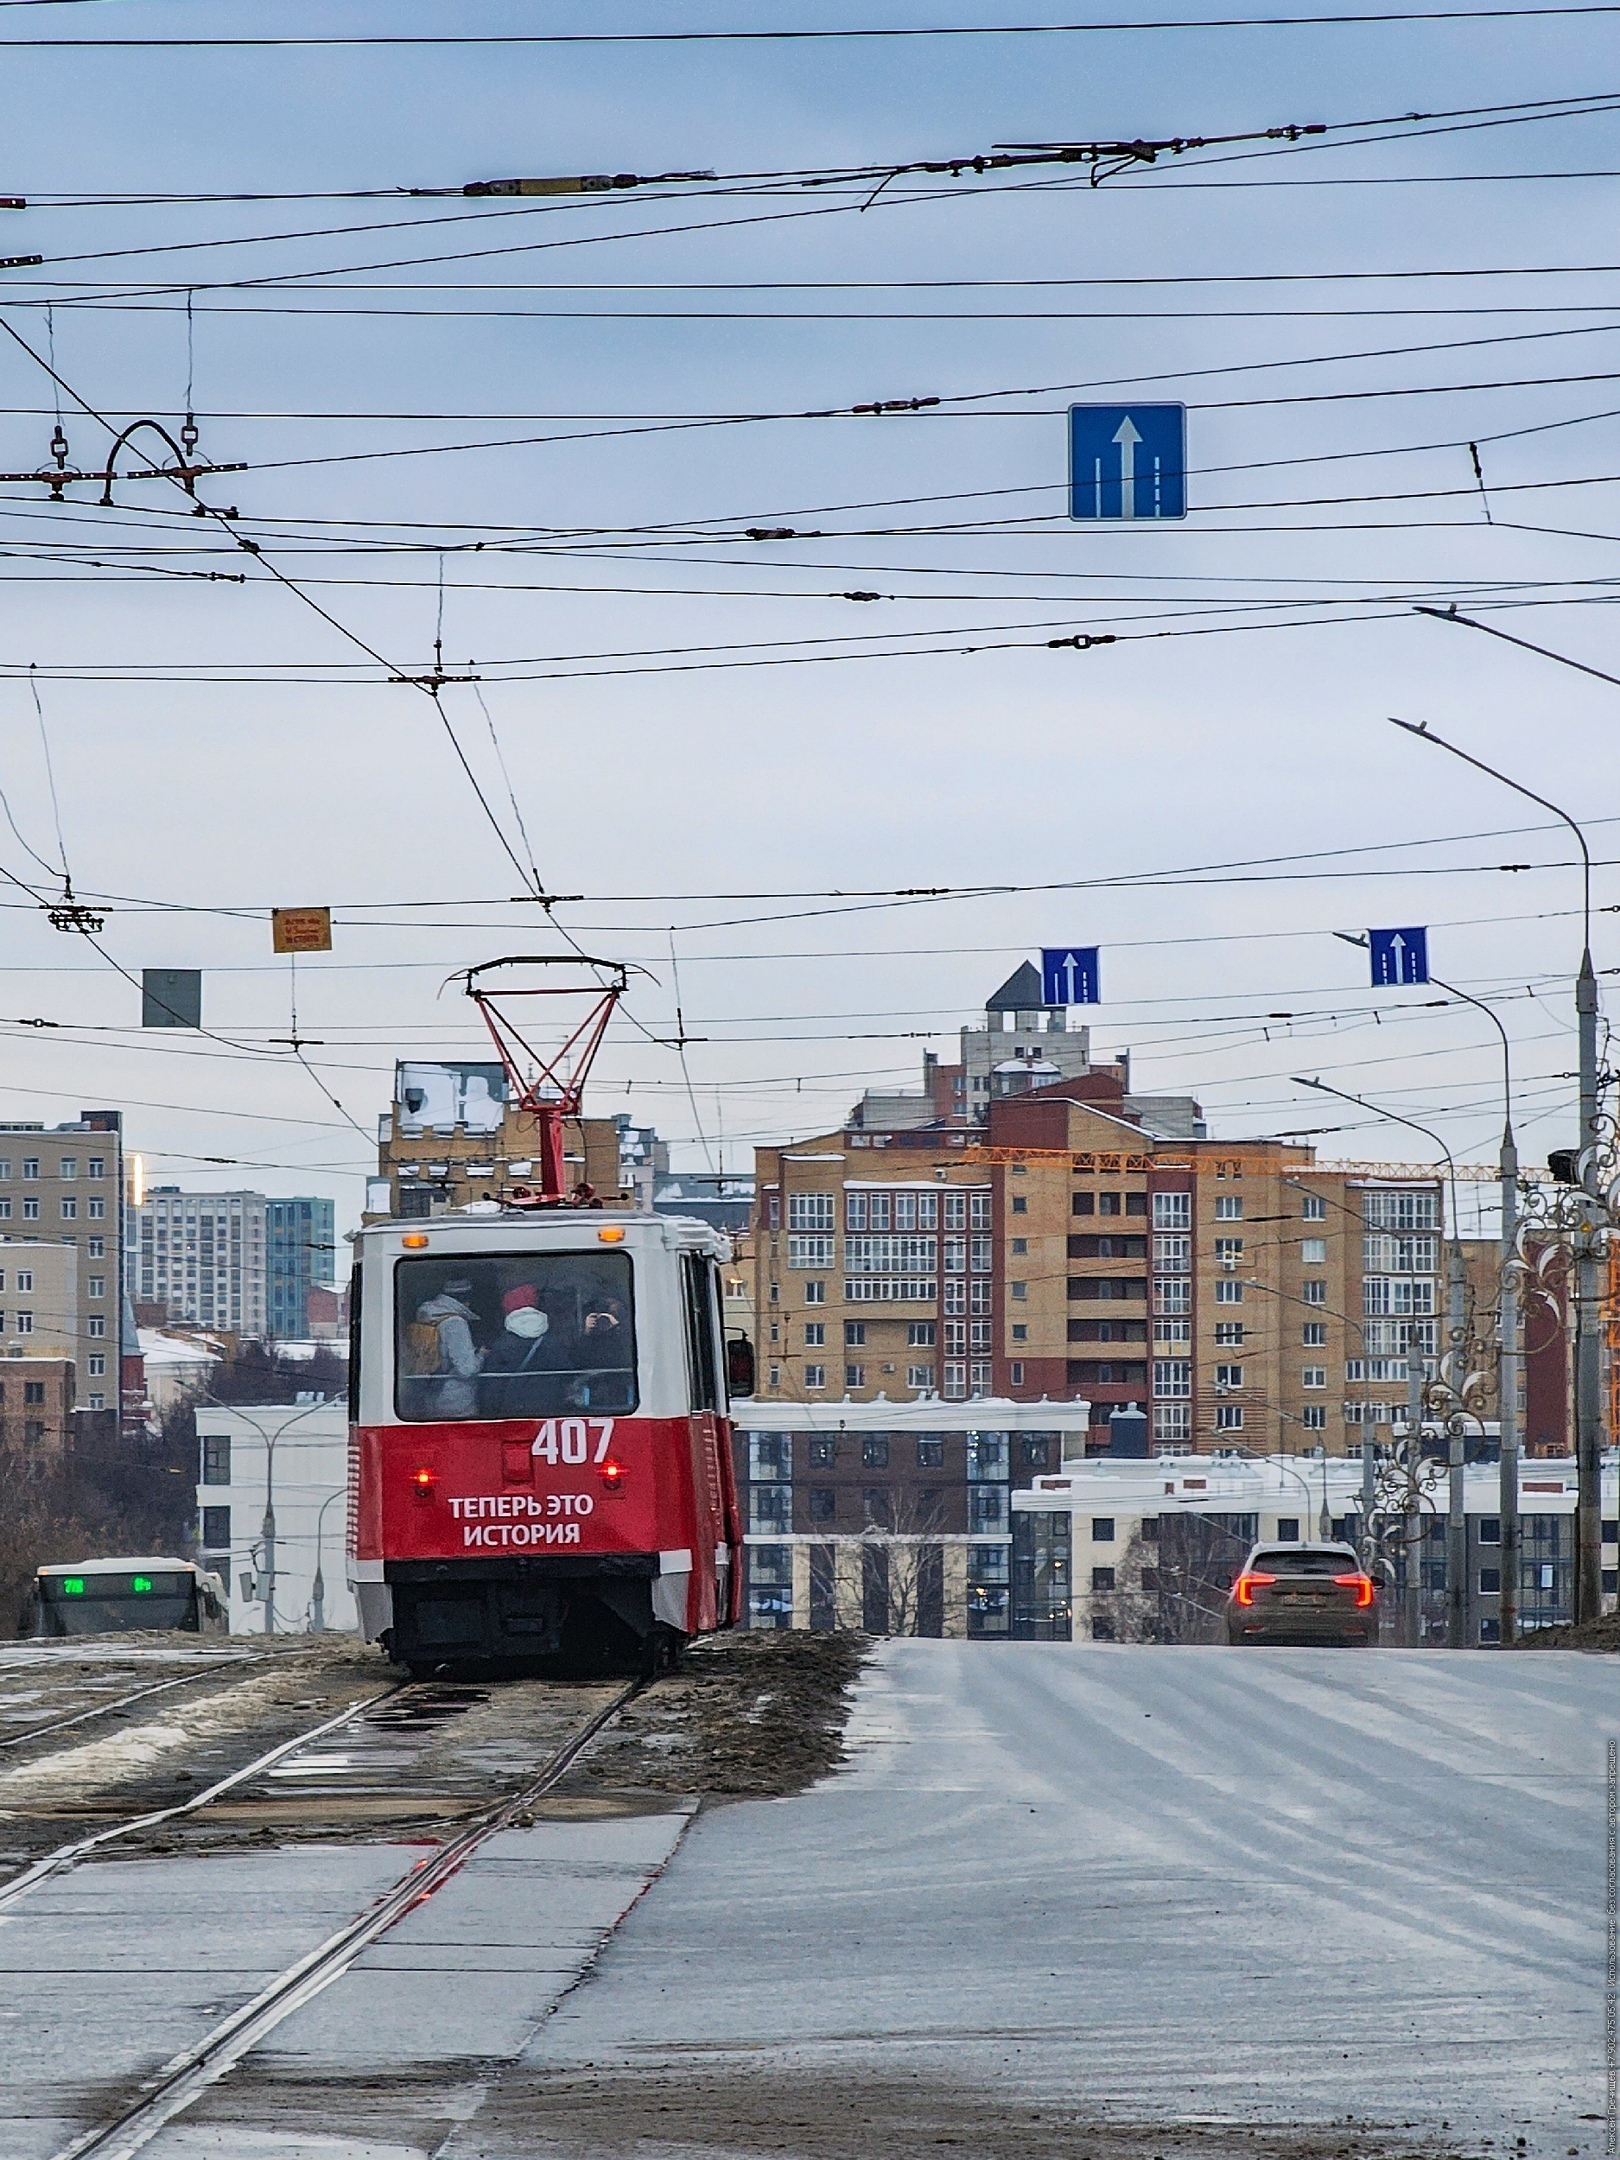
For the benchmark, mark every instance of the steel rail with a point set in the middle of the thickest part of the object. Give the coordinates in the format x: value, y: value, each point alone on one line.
x: 190, y: 2074
x: 122, y: 1702
x: 64, y: 1857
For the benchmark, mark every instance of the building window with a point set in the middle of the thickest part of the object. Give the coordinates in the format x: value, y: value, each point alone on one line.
x: 1228, y: 1293
x: 34, y: 1392
x: 1172, y: 1423
x: 1229, y: 1334
x: 216, y: 1527
x: 1229, y: 1207
x: 96, y: 1166
x: 815, y: 1293
x: 1172, y: 1211
x: 1108, y: 1203
x: 1015, y: 1374
x: 1173, y: 1294
x: 823, y: 1504
x: 1313, y: 1376
x: 96, y: 1324
x: 96, y: 1364
x: 815, y: 1376
x: 775, y: 1379
x: 930, y: 1454
x: 919, y: 1334
x: 30, y: 1166
x: 1228, y: 1417
x: 1315, y: 1334
x: 1083, y: 1203
x: 1313, y: 1252
x: 1020, y: 1331
x: 855, y: 1211
x: 1019, y: 1290
x: 1102, y: 1529
x: 97, y: 1210
x: 1020, y: 1246
x: 24, y: 1324
x: 1490, y: 1530
x: 1172, y: 1378
x: 815, y: 1334
x: 773, y: 1211
x: 1315, y: 1208
x: 1228, y: 1251
x: 1020, y: 1204
x: 810, y: 1252
x: 1229, y: 1376
x: 810, y: 1211
x: 875, y: 1451
x: 95, y: 1286
x: 1102, y: 1578
x: 30, y: 1211
x: 854, y: 1334
x: 1314, y: 1293
x: 25, y: 1278
x: 98, y: 1402
x: 1166, y: 1333
x: 920, y: 1376
x: 1314, y: 1417
x: 1172, y: 1255
x: 1490, y: 1582
x: 854, y: 1376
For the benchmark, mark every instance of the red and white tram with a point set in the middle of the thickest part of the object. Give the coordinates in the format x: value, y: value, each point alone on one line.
x: 540, y: 1461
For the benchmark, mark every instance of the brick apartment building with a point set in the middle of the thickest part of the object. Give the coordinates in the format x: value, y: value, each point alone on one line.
x: 1077, y: 1240
x: 453, y: 1136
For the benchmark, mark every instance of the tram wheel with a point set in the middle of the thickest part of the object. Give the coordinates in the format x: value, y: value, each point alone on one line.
x: 661, y: 1652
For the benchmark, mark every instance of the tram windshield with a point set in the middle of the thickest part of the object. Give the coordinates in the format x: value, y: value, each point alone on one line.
x: 514, y: 1336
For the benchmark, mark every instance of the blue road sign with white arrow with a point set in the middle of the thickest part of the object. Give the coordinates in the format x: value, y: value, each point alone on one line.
x: 1127, y: 461
x: 1069, y: 975
x: 1399, y: 956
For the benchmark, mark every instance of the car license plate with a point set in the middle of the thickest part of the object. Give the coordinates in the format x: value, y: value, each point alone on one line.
x: 1300, y: 1597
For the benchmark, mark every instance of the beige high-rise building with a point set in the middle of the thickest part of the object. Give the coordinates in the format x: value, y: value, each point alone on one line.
x: 60, y: 1228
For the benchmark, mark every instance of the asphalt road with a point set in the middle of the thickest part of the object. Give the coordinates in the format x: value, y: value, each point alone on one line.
x: 1077, y: 1901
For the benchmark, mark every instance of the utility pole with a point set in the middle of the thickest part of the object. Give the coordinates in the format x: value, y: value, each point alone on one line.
x: 1507, y: 1400
x: 1456, y: 1514
x: 1588, y: 1293
x: 1412, y: 1535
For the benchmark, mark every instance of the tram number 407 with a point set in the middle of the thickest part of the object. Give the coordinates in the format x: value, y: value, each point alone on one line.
x: 569, y: 1440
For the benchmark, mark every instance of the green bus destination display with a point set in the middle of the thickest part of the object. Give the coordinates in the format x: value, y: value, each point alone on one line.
x: 115, y: 1586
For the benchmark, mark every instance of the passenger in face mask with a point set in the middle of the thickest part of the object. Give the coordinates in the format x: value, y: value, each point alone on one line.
x: 518, y: 1371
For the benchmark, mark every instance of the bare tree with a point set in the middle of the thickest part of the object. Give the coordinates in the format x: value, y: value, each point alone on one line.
x: 907, y: 1540
x: 1130, y: 1611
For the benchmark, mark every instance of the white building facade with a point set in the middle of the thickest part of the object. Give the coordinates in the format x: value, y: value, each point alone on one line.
x: 203, y: 1257
x: 298, y: 1456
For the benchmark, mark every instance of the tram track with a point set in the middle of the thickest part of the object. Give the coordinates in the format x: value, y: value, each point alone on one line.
x: 188, y: 2075
x: 124, y: 1702
x: 67, y: 1856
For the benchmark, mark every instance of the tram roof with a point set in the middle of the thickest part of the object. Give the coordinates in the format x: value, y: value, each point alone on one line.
x: 466, y: 1230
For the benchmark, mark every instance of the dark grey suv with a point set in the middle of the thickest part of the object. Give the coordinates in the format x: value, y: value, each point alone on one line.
x: 1303, y: 1594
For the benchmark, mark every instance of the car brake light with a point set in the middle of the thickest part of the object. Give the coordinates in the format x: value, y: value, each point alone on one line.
x: 1360, y: 1584
x: 611, y: 1473
x: 1246, y: 1585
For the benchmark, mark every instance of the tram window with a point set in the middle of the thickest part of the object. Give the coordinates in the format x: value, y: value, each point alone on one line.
x: 356, y: 1307
x: 514, y: 1336
x: 697, y: 1275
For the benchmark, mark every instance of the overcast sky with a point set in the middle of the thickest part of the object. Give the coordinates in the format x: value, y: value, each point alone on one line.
x: 218, y: 747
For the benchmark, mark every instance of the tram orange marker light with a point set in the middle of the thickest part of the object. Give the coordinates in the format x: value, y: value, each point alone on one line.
x: 413, y: 1241
x: 610, y: 1473
x: 612, y: 1235
x: 424, y: 1480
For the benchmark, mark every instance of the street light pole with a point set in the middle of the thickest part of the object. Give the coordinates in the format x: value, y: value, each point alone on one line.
x: 317, y: 1589
x: 1588, y: 1256
x: 1456, y: 1515
x: 1507, y: 1330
